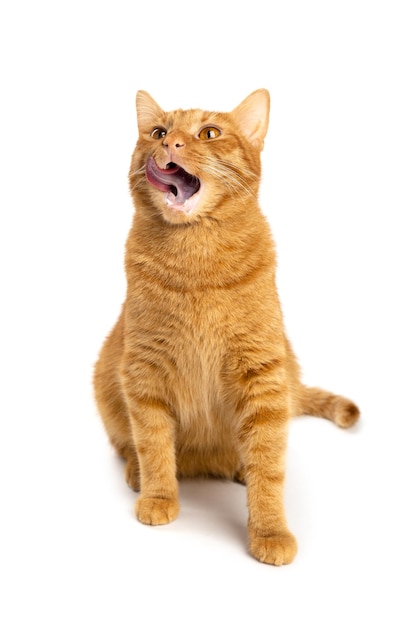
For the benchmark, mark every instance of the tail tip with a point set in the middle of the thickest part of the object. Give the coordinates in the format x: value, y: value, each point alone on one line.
x: 347, y: 414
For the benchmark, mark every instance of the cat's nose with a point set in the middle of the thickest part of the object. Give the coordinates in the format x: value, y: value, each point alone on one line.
x: 173, y: 140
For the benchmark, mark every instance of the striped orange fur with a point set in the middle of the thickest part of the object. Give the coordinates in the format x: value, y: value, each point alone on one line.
x: 197, y: 377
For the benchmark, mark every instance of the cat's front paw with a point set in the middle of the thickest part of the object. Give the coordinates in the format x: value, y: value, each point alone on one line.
x: 278, y: 549
x: 156, y: 511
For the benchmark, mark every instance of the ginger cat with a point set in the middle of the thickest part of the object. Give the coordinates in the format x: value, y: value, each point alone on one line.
x: 197, y: 376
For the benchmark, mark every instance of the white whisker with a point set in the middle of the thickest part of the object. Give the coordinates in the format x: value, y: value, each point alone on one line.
x: 237, y: 180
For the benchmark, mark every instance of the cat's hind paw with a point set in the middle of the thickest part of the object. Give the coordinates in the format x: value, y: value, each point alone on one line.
x: 132, y: 474
x: 278, y: 549
x: 156, y: 511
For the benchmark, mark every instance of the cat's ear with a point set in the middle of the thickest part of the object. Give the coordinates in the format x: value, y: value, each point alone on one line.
x: 252, y: 117
x: 148, y: 111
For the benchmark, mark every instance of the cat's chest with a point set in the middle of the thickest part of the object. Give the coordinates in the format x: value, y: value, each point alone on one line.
x: 200, y: 349
x: 187, y: 335
x: 198, y: 385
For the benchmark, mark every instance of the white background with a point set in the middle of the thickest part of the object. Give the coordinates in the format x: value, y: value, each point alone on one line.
x: 339, y: 189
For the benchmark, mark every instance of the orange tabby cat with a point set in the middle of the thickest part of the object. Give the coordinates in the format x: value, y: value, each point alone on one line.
x: 197, y: 376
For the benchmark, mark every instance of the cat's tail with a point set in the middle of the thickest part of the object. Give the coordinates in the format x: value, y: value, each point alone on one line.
x: 320, y: 403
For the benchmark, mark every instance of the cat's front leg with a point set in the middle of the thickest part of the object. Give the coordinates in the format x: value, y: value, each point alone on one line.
x: 262, y: 441
x: 153, y: 432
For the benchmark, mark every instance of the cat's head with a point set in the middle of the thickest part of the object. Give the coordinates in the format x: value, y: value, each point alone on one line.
x: 192, y: 163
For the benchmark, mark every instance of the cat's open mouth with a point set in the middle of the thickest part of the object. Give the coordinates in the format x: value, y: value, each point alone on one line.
x: 173, y: 180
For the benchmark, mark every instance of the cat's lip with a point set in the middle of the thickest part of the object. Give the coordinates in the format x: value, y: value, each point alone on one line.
x: 173, y: 179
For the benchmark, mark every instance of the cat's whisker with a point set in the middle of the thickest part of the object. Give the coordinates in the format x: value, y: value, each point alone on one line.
x: 228, y: 174
x: 140, y: 180
x: 224, y: 167
x: 234, y: 179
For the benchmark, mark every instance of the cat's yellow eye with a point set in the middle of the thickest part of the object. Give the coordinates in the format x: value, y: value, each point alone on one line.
x: 158, y: 133
x: 209, y: 132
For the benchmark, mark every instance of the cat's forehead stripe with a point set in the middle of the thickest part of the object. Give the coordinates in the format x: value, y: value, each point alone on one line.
x: 193, y: 118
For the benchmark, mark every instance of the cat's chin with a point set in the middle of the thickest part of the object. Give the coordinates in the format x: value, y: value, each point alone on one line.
x: 181, y: 212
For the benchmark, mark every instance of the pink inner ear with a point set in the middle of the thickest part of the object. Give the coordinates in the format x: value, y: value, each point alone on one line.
x: 252, y: 117
x: 147, y: 109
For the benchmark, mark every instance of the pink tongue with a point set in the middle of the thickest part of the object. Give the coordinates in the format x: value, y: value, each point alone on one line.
x: 159, y: 178
x: 175, y: 179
